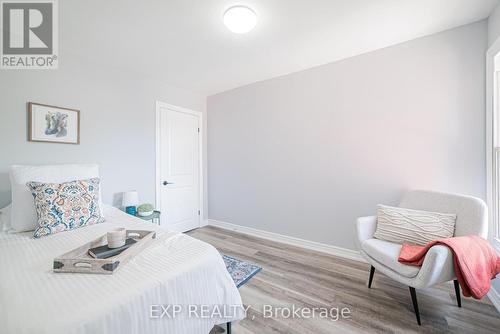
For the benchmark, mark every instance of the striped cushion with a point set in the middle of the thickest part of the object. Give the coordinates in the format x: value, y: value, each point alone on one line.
x: 416, y: 227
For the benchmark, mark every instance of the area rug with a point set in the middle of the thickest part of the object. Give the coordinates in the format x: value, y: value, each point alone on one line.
x: 240, y: 271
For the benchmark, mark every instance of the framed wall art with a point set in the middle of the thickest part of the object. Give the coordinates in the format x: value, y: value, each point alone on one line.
x: 53, y: 124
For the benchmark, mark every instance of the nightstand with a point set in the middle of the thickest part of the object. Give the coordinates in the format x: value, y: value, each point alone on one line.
x: 154, y: 216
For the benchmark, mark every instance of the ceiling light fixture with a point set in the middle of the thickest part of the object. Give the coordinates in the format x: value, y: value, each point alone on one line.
x: 240, y: 19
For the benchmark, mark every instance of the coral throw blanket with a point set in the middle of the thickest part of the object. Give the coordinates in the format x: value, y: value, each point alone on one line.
x: 476, y: 263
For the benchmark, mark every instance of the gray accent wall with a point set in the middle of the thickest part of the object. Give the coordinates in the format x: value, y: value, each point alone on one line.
x: 117, y: 110
x: 303, y: 155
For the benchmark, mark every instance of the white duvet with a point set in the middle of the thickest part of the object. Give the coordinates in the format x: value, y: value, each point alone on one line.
x: 174, y: 270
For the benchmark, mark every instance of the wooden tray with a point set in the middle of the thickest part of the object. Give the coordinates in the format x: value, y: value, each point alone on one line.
x: 79, y: 261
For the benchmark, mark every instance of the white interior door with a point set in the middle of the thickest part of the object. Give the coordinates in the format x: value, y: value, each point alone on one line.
x: 178, y: 177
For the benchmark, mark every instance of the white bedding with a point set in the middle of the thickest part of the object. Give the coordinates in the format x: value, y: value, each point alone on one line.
x: 175, y: 270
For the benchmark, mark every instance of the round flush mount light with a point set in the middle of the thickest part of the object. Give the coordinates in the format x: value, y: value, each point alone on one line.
x: 240, y: 19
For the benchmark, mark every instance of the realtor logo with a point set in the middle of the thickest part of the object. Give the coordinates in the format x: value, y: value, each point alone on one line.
x: 29, y: 34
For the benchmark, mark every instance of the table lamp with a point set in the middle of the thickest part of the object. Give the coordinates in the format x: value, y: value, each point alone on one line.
x: 130, y: 200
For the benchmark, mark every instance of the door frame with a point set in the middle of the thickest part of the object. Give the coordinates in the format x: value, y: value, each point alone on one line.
x: 491, y: 128
x: 159, y: 105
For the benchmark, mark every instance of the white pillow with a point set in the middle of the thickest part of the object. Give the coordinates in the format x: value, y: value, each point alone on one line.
x: 23, y: 214
x: 5, y: 218
x: 406, y: 226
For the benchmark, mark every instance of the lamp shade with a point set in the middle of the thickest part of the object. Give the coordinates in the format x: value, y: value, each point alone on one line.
x: 130, y: 198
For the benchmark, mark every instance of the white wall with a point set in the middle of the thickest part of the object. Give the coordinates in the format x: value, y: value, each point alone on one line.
x: 494, y: 25
x: 117, y: 122
x: 305, y: 154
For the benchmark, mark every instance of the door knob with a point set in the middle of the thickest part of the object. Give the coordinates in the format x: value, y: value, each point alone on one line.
x: 165, y: 183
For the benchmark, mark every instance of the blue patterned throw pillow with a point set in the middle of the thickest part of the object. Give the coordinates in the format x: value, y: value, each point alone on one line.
x: 65, y: 206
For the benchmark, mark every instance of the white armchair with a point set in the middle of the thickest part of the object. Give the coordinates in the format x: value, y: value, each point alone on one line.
x: 438, y: 264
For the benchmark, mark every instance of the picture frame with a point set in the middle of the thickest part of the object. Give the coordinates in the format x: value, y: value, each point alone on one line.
x: 51, y: 124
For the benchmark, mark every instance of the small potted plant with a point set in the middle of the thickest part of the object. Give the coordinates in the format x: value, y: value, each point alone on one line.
x: 145, y: 210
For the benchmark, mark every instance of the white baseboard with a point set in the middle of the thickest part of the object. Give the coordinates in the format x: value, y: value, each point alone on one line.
x: 494, y: 296
x: 312, y: 245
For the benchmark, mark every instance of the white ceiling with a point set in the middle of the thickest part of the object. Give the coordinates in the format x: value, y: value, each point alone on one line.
x: 184, y: 42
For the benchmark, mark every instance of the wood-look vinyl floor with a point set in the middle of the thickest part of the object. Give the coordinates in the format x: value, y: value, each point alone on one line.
x: 304, y: 278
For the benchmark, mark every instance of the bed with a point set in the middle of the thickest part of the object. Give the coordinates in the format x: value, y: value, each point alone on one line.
x: 175, y: 270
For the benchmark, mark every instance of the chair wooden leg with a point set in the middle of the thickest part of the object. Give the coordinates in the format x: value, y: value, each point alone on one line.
x: 457, y: 293
x: 372, y: 271
x: 415, y: 304
x: 228, y: 331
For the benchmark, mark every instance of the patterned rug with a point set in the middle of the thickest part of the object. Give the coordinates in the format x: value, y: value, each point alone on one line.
x: 241, y: 271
